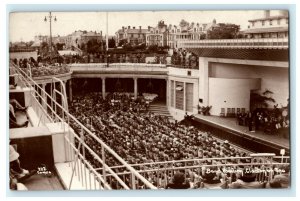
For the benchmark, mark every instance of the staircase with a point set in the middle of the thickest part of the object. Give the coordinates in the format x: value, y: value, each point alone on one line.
x: 160, y: 108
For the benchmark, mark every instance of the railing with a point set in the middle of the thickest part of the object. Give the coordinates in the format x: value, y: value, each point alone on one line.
x: 160, y: 174
x: 117, y: 65
x: 78, y: 141
x: 245, y: 43
x: 97, y: 166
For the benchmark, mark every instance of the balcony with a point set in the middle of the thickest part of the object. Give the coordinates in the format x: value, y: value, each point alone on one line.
x: 122, y: 69
x: 245, y: 43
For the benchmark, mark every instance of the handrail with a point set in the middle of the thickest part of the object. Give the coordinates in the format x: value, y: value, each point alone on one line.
x: 264, y: 43
x: 204, y: 159
x: 28, y: 81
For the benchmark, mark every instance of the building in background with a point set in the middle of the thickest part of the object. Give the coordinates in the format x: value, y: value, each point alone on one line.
x: 188, y: 31
x: 157, y: 35
x: 132, y: 36
x: 269, y: 26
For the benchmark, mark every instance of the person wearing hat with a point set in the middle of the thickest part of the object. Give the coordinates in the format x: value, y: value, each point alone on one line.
x: 246, y: 180
x: 178, y: 182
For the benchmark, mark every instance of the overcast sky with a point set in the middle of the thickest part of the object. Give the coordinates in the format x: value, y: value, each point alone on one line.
x: 24, y: 26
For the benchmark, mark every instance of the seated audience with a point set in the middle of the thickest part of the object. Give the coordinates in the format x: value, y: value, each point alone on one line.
x: 178, y: 182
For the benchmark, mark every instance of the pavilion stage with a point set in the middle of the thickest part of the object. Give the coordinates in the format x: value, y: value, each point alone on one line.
x: 228, y: 129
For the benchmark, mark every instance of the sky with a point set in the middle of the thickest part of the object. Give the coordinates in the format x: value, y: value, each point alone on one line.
x: 23, y: 26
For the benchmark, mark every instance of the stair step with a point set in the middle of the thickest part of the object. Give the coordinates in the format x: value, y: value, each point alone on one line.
x: 161, y: 109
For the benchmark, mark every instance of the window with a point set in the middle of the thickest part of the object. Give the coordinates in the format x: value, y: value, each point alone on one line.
x: 278, y: 22
x: 271, y: 22
x: 252, y: 24
x: 263, y: 23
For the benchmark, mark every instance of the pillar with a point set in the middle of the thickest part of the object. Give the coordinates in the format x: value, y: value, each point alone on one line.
x: 184, y: 96
x: 70, y: 90
x: 174, y: 97
x: 103, y: 87
x: 167, y: 92
x: 204, y: 81
x: 135, y: 87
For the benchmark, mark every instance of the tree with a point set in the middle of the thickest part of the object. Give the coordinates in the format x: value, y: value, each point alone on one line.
x: 93, y: 46
x: 122, y: 42
x: 202, y: 36
x: 60, y: 46
x: 223, y: 31
x: 111, y: 43
x: 261, y: 100
x: 153, y: 48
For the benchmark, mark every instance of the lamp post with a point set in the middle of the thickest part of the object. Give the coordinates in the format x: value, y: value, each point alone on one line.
x: 50, y: 20
x: 107, y: 59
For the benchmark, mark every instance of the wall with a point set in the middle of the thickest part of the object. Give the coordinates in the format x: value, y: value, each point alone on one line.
x: 182, y: 72
x: 230, y: 93
x: 275, y: 79
x: 23, y: 55
x: 190, y: 84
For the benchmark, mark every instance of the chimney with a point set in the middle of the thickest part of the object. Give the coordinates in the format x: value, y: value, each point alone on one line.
x: 148, y: 28
x: 267, y: 13
x: 133, y: 27
x: 128, y: 27
x: 140, y: 27
x: 123, y: 28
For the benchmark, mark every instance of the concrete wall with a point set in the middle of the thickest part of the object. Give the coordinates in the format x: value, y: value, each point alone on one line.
x: 230, y: 93
x: 23, y: 55
x: 182, y: 72
x: 275, y: 79
x: 178, y: 76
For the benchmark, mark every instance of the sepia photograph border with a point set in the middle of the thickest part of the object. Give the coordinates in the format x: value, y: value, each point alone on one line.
x: 171, y: 7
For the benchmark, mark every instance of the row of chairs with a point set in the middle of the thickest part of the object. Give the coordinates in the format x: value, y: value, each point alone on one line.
x: 231, y: 112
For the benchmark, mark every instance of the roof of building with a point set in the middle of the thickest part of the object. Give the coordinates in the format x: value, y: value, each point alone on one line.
x: 249, y: 54
x: 277, y: 17
x: 267, y: 30
x: 91, y: 33
x: 120, y: 31
x: 136, y: 30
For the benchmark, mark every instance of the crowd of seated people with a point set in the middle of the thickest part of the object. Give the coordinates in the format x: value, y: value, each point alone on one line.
x: 41, y: 68
x: 269, y: 121
x: 139, y: 136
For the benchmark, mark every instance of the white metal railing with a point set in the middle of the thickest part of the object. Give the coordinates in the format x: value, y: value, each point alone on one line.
x: 247, y: 43
x: 92, y: 161
x: 117, y: 65
x: 160, y: 174
x: 78, y: 140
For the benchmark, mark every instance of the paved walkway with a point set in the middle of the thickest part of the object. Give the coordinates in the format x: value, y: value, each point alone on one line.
x: 230, y: 123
